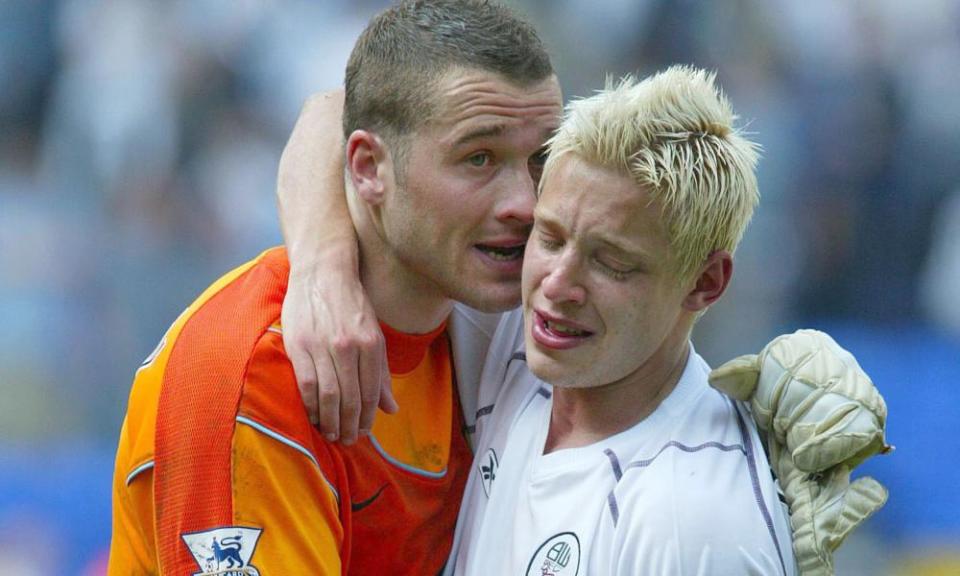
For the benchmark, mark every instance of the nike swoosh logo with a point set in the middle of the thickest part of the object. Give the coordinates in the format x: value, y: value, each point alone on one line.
x: 358, y: 506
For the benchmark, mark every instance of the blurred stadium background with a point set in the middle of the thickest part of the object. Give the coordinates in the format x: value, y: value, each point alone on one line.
x: 138, y: 152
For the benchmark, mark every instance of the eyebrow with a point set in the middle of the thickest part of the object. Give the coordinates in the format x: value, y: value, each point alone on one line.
x: 628, y: 251
x: 480, y: 133
x: 547, y: 221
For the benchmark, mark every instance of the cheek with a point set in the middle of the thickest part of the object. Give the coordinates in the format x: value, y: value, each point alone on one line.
x: 526, y: 284
x: 653, y: 318
x: 626, y: 324
x: 535, y: 268
x: 630, y: 315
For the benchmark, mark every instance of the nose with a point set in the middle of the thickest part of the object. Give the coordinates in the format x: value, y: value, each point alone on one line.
x: 518, y: 198
x: 562, y: 285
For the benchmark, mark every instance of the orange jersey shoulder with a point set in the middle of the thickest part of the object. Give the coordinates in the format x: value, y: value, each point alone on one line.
x: 184, y: 444
x: 218, y: 465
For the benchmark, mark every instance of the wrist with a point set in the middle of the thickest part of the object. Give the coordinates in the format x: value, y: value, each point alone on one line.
x: 331, y: 255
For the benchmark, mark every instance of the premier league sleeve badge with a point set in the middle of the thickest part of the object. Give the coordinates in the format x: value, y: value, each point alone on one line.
x: 224, y: 551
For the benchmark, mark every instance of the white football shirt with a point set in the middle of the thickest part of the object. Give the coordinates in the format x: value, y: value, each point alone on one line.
x: 688, y: 490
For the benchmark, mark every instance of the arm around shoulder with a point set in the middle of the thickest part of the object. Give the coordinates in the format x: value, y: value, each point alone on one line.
x: 330, y: 329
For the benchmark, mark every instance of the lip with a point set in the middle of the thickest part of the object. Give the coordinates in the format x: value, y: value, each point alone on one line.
x: 510, y: 267
x: 504, y: 241
x: 547, y: 338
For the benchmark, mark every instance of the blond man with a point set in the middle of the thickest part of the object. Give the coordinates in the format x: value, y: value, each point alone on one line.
x: 604, y: 450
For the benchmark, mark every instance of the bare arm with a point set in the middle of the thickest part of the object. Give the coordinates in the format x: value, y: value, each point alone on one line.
x: 330, y: 330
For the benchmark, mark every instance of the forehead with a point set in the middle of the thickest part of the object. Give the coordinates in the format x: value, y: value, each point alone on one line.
x: 478, y: 104
x: 596, y: 202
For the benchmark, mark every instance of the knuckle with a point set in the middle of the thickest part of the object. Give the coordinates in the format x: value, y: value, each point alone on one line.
x: 310, y: 398
x: 328, y: 394
x: 342, y: 344
x: 309, y: 342
x: 369, y: 340
x: 350, y: 407
x: 307, y: 387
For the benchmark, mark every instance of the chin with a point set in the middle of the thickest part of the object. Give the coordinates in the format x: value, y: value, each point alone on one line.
x: 549, y: 370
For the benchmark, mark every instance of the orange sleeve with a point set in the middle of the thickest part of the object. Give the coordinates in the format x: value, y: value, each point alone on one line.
x: 284, y: 478
x: 278, y: 488
x: 132, y: 549
x: 133, y: 540
x: 201, y: 487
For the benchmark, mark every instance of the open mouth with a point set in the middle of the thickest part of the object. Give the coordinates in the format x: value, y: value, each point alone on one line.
x: 503, y: 253
x: 564, y: 330
x: 552, y: 333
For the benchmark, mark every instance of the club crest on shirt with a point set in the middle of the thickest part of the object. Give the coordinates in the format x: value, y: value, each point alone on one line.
x: 488, y: 470
x: 224, y: 551
x: 558, y: 556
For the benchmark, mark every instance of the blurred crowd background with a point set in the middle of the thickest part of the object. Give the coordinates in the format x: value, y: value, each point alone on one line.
x: 139, y: 143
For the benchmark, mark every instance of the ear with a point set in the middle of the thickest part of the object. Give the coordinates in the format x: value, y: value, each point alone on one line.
x: 370, y: 166
x: 711, y: 283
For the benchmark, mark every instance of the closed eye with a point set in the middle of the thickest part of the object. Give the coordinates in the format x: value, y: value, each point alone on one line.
x: 615, y: 271
x: 548, y: 242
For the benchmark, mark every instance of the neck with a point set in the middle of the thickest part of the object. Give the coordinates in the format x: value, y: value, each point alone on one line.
x: 584, y: 416
x: 402, y: 299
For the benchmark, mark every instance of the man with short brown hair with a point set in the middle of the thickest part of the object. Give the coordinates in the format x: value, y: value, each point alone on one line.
x: 218, y: 469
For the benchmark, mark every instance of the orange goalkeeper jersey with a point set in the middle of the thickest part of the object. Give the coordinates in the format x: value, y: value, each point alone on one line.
x: 219, y: 471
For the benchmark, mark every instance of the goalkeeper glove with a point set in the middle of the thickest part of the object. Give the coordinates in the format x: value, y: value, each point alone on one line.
x: 821, y: 416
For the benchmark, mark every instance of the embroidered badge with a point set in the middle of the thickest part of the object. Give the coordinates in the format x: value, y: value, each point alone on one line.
x: 224, y: 551
x: 558, y: 556
x: 488, y: 471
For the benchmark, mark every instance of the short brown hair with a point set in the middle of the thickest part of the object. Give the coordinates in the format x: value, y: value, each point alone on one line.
x: 393, y: 70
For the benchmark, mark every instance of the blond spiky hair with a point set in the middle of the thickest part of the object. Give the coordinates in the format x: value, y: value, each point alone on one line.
x: 673, y: 134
